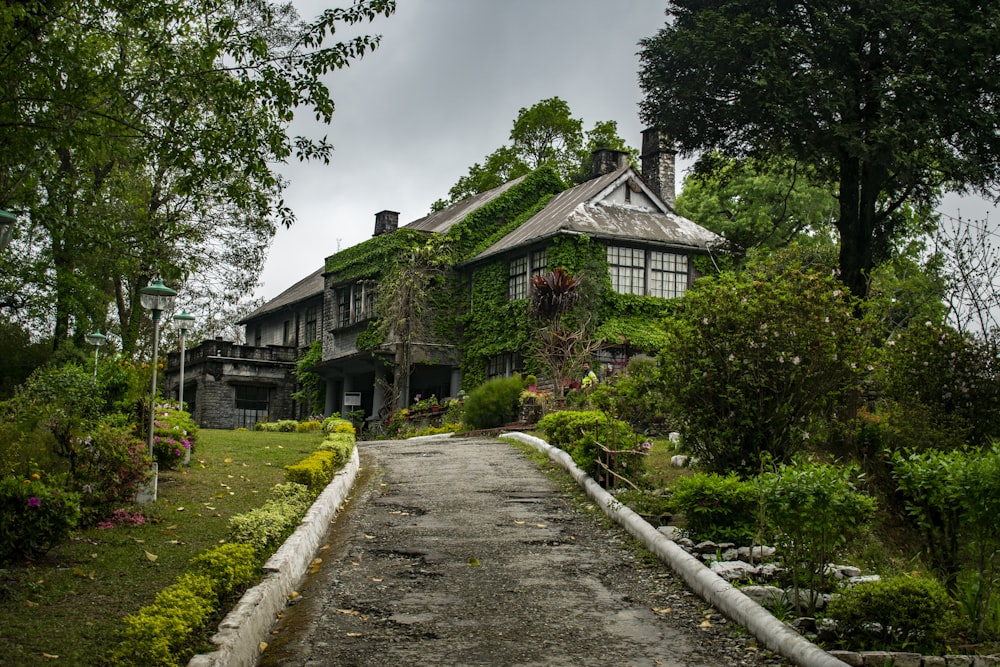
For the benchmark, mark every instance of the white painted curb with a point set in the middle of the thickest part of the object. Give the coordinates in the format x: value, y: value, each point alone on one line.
x: 718, y: 592
x: 249, y: 623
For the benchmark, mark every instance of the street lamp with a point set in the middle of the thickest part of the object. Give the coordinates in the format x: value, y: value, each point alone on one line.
x: 183, y: 320
x: 155, y: 298
x: 97, y: 339
x: 6, y: 228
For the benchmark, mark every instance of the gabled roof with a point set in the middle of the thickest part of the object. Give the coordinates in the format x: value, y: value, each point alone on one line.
x: 310, y: 286
x: 589, y: 209
x: 443, y: 220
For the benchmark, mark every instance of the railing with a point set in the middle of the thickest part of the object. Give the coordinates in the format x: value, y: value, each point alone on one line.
x: 229, y: 350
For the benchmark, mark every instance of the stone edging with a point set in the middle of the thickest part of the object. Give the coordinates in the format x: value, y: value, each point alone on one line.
x: 249, y: 623
x: 722, y: 595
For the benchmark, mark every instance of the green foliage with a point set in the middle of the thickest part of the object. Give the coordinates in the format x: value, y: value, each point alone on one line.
x: 811, y: 513
x: 313, y: 387
x: 157, y: 634
x: 953, y: 500
x: 493, y: 403
x: 230, y: 567
x: 311, y: 426
x: 579, y: 434
x: 314, y: 472
x: 904, y: 612
x: 716, y: 507
x: 111, y: 467
x: 635, y: 396
x: 374, y: 257
x: 955, y: 378
x: 34, y: 516
x: 759, y: 362
x: 820, y: 118
x: 266, y: 527
x: 755, y: 204
x: 174, y: 436
x: 337, y: 425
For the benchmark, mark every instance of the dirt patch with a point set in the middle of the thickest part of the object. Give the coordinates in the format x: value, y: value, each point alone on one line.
x: 461, y: 552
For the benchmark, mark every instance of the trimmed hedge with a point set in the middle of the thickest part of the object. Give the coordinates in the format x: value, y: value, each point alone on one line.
x: 313, y: 472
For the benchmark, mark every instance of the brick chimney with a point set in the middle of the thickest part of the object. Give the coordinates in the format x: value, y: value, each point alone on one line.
x: 606, y: 160
x: 385, y: 222
x: 658, y: 156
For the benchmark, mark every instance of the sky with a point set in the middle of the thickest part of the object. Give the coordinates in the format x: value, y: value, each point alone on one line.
x: 440, y: 93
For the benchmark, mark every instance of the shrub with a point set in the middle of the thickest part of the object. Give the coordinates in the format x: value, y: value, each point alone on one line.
x: 634, y: 396
x: 337, y: 424
x: 718, y: 508
x: 812, y: 511
x: 231, y: 567
x: 266, y: 527
x: 111, y: 466
x: 493, y: 403
x: 157, y: 634
x: 287, y: 425
x: 34, y: 516
x: 911, y: 613
x: 758, y: 362
x: 308, y: 427
x: 341, y: 444
x: 266, y: 427
x: 314, y: 471
x: 174, y: 435
x: 579, y: 433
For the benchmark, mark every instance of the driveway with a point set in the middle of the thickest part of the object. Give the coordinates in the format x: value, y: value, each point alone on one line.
x: 468, y: 552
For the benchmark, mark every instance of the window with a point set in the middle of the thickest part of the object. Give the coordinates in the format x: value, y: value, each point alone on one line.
x: 521, y: 269
x: 257, y: 337
x: 504, y: 365
x: 309, y: 331
x: 628, y: 269
x: 647, y: 272
x: 356, y: 303
x: 252, y: 405
x: 517, y: 279
x: 287, y: 333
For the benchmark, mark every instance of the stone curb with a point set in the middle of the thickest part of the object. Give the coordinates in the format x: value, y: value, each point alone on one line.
x: 722, y: 595
x: 249, y: 623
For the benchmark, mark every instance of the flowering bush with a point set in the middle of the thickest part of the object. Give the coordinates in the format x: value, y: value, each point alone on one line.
x: 34, y: 516
x: 337, y: 424
x: 174, y: 434
x: 311, y: 426
x: 122, y: 517
x: 110, y: 467
x: 758, y: 362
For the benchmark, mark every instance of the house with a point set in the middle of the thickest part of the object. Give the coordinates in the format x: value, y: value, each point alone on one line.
x: 467, y: 320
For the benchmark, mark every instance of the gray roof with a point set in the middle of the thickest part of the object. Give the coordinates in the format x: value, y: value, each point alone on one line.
x: 310, y: 286
x: 443, y: 220
x: 584, y: 210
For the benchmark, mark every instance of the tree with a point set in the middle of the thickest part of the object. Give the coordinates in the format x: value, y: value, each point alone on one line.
x: 755, y: 204
x: 140, y: 139
x: 544, y: 133
x: 887, y: 101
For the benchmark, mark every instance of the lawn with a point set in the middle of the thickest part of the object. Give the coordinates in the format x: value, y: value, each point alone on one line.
x: 70, y: 602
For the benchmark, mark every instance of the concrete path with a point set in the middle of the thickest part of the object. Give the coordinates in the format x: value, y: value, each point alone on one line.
x: 461, y: 552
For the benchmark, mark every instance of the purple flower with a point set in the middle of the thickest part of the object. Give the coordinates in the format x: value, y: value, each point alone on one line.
x: 33, y: 501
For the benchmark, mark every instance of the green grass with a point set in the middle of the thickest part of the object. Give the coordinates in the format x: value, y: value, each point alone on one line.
x: 70, y: 602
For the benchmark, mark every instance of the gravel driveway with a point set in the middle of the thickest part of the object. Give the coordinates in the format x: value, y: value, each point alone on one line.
x: 467, y: 552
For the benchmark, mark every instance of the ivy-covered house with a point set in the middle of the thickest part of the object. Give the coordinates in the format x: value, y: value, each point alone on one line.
x: 447, y: 295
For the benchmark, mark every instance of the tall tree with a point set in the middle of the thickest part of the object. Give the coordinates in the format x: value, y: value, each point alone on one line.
x: 888, y: 100
x: 546, y: 132
x: 141, y: 136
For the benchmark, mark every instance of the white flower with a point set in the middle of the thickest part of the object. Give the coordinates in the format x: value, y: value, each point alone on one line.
x: 796, y: 361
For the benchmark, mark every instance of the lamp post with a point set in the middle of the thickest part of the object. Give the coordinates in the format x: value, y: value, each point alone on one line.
x: 183, y: 319
x: 97, y: 339
x: 6, y: 228
x: 155, y: 298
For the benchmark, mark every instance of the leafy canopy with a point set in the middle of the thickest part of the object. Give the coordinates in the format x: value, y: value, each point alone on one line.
x: 888, y: 101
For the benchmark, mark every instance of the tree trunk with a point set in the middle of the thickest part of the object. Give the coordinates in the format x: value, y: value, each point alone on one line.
x: 856, y: 227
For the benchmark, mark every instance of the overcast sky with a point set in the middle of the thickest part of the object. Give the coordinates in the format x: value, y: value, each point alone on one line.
x: 440, y: 93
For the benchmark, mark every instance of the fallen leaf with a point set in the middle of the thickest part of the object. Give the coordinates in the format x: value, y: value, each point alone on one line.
x: 705, y: 624
x: 369, y: 537
x: 349, y: 612
x: 293, y: 595
x: 227, y: 460
x: 151, y: 557
x: 262, y: 646
x: 173, y: 527
x: 377, y: 581
x: 520, y: 523
x: 30, y: 603
x: 541, y: 525
x: 354, y: 634
x: 180, y: 509
x: 50, y: 656
x: 93, y: 555
x: 666, y: 610
x: 473, y: 562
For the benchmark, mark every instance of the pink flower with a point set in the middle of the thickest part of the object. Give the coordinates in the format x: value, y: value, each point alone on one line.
x: 34, y: 502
